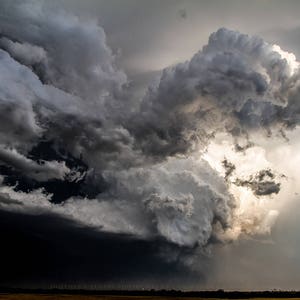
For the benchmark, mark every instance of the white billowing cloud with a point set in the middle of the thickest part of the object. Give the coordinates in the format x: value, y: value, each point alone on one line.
x: 182, y: 198
x: 164, y: 201
x: 34, y: 202
x: 290, y: 59
x: 237, y: 83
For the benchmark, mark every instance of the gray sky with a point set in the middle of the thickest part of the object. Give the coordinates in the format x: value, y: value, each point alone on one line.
x: 153, y: 34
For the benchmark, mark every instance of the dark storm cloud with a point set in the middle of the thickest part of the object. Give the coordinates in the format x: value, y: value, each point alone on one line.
x: 42, y: 171
x: 51, y: 168
x: 262, y: 183
x: 25, y: 53
x: 265, y: 182
x: 229, y: 168
x: 59, y: 39
x: 164, y: 202
x: 236, y: 82
x: 91, y: 82
x: 76, y: 143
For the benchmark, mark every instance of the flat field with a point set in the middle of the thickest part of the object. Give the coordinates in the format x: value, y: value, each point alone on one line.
x: 103, y: 297
x: 96, y: 297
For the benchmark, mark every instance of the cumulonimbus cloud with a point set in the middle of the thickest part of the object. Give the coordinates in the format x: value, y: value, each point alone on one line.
x: 71, y: 94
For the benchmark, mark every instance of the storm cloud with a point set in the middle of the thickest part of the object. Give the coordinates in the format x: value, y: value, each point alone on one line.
x: 236, y: 82
x: 78, y: 147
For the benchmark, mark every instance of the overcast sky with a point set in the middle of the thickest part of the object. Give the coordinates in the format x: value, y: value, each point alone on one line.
x: 150, y: 144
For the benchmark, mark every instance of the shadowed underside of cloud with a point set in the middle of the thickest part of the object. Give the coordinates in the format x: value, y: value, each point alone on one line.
x: 48, y: 250
x: 74, y: 143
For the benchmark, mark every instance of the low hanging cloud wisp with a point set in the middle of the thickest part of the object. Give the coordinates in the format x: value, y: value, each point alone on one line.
x: 139, y: 168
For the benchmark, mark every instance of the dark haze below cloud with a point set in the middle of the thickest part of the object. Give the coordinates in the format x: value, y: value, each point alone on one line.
x: 47, y: 250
